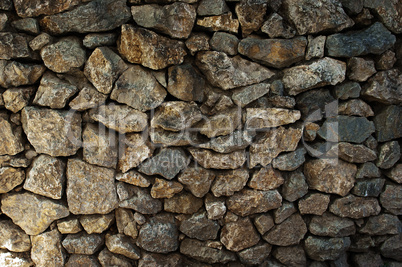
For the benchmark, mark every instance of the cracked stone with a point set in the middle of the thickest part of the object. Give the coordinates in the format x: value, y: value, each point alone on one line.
x: 239, y: 235
x: 258, y: 118
x: 10, y: 178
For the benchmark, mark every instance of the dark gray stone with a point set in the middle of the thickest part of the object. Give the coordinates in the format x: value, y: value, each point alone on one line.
x: 368, y: 188
x: 224, y: 42
x: 322, y: 249
x: 347, y: 90
x: 199, y: 250
x: 138, y: 199
x: 387, y: 123
x: 295, y: 186
x: 331, y: 225
x: 200, y: 227
x: 390, y: 153
x: 83, y: 243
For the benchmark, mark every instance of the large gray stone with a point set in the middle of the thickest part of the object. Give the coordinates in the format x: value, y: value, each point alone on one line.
x: 386, y: 123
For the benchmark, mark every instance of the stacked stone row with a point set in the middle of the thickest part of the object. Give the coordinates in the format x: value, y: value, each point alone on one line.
x: 200, y: 133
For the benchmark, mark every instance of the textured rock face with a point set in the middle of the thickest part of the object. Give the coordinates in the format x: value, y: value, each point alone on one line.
x: 13, y: 238
x: 47, y: 249
x: 239, y: 235
x: 14, y: 45
x: 201, y: 251
x: 15, y: 73
x: 355, y: 207
x: 11, y: 139
x: 248, y: 201
x: 289, y: 232
x: 36, y: 8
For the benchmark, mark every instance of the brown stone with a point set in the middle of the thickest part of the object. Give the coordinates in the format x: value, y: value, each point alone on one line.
x: 212, y: 160
x: 141, y: 46
x: 251, y: 15
x: 239, y: 235
x: 200, y: 227
x: 123, y: 245
x: 355, y: 207
x: 198, y: 41
x: 314, y: 204
x: 391, y: 199
x: 331, y: 225
x: 37, y: 7
x: 290, y: 256
x: 360, y: 69
x: 165, y: 189
x: 15, y: 45
x: 138, y: 199
x: 69, y: 225
x: 134, y: 151
x: 10, y: 178
x: 355, y: 107
x: 13, y: 238
x: 266, y: 179
x: 228, y: 182
x: 224, y: 22
x: 221, y: 124
x: 200, y: 250
x: 107, y: 258
x: 392, y: 248
x: 10, y: 259
x: 258, y: 118
x: 197, y: 180
x: 289, y: 232
x: 384, y: 87
x: 80, y: 260
x: 133, y: 177
x: 248, y: 201
x: 275, y: 26
x: 184, y: 203
x: 87, y: 98
x: 215, y: 207
x: 83, y: 243
x: 11, y: 139
x: 14, y: 73
x: 384, y: 224
x: 126, y: 223
x: 47, y: 249
x: 96, y: 223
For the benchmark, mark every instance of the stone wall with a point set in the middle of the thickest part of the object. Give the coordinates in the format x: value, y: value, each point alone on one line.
x: 200, y: 132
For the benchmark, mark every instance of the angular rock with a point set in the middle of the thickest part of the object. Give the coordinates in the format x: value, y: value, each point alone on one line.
x: 212, y: 160
x: 96, y: 16
x: 47, y: 7
x: 295, y: 186
x: 289, y: 161
x: 314, y: 17
x: 311, y: 101
x: 10, y: 178
x: 315, y: 203
x: 355, y: 207
x: 355, y: 153
x: 346, y: 129
x: 89, y: 185
x: 87, y: 98
x: 221, y: 124
x: 224, y: 22
x: 186, y: 83
x: 226, y: 183
x: 368, y: 170
x: 40, y: 41
x: 11, y: 139
x: 331, y: 225
x: 3, y: 21
x: 11, y: 259
x: 46, y: 177
x: 360, y: 69
x: 69, y: 225
x: 392, y: 248
x: 141, y: 46
x: 159, y: 234
x: 167, y: 138
x: 248, y: 201
x: 355, y: 107
x: 133, y: 177
x: 15, y: 46
x: 168, y: 163
x: 165, y: 189
x: 316, y: 46
x: 229, y: 143
x: 126, y: 223
x: 244, y: 96
x: 347, y: 90
x: 251, y: 15
x: 228, y: 73
x: 47, y: 249
x: 212, y: 7
x: 395, y: 173
x: 13, y: 238
x: 273, y: 142
x: 215, y: 207
x: 258, y: 118
x: 176, y: 116
x: 375, y: 39
x: 28, y: 25
x: 290, y: 256
x: 13, y: 74
x: 175, y: 20
x: 139, y: 89
x: 224, y: 42
x: 384, y: 224
x: 284, y: 212
x: 82, y: 260
x: 138, y: 199
x: 64, y: 56
x: 386, y: 60
x: 391, y: 199
x: 201, y: 251
x: 197, y: 41
x: 322, y: 249
x: 384, y: 87
x: 386, y: 120
x: 123, y: 245
x: 83, y: 243
x: 289, y: 232
x: 134, y: 151
x: 368, y: 188
x: 120, y: 118
x: 325, y: 71
x: 255, y: 255
x: 103, y: 68
x: 200, y: 227
x: 389, y: 13
x: 239, y: 235
x: 368, y: 259
x: 330, y: 175
x: 275, y: 26
x: 266, y: 179
x: 6, y: 5
x: 94, y: 40
x: 31, y: 212
x: 107, y: 258
x: 54, y: 92
x: 277, y: 53
x: 263, y: 223
x: 184, y: 203
x: 96, y: 224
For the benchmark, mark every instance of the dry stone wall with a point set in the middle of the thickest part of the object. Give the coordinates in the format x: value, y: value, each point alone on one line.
x: 200, y: 133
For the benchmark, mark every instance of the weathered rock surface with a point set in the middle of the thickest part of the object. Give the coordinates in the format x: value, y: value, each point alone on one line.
x: 36, y: 7
x: 87, y: 98
x: 175, y: 20
x: 134, y: 151
x: 224, y: 22
x: 275, y: 26
x: 390, y: 153
x: 82, y: 260
x: 126, y: 223
x: 139, y: 89
x: 384, y: 224
x: 314, y: 17
x: 368, y: 188
x: 295, y: 186
x: 360, y: 69
x: 141, y: 46
x: 56, y: 133
x: 391, y: 248
x: 83, y: 243
x: 389, y: 13
x: 226, y: 183
x: 384, y: 87
x: 184, y: 203
x: 198, y: 41
x: 107, y: 258
x: 229, y: 143
x: 289, y: 232
x: 347, y: 90
x: 213, y: 160
x: 355, y: 107
x: 266, y: 179
x: 239, y: 235
x: 355, y: 207
x: 10, y: 178
x: 46, y: 177
x: 13, y: 73
x: 16, y: 99
x: 47, y: 249
x: 375, y: 39
x: 246, y: 95
x: 273, y: 142
x: 96, y: 223
x: 28, y: 25
x: 31, y: 212
x: 251, y: 15
x: 277, y: 53
x: 138, y: 199
x: 384, y: 122
x: 94, y: 40
x: 289, y: 161
x: 198, y: 226
x: 331, y: 225
x: 290, y: 256
x: 256, y: 254
x: 13, y: 238
x: 54, y: 92
x: 10, y: 259
x: 224, y: 42
x: 391, y: 199
x: 123, y: 245
x: 395, y: 173
x: 215, y: 207
x: 159, y: 234
x: 89, y: 185
x: 322, y: 249
x: 355, y: 153
x: 165, y: 189
x: 98, y: 15
x: 228, y: 73
x: 258, y: 118
x: 315, y: 203
x: 11, y: 139
x: 102, y: 69
x: 64, y: 56
x: 284, y: 212
x: 326, y: 71
x: 120, y: 118
x: 15, y: 45
x: 69, y: 225
x: 248, y: 201
x: 201, y: 251
x: 221, y: 124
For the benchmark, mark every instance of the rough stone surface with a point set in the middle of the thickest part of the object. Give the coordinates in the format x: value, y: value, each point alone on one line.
x: 175, y: 20
x: 239, y: 235
x: 266, y: 179
x: 69, y: 225
x: 355, y: 107
x: 347, y: 90
x: 46, y: 177
x: 199, y: 250
x: 221, y: 124
x: 139, y: 89
x: 384, y: 224
x: 276, y: 26
x: 197, y: 180
x: 244, y: 96
x: 198, y: 226
x: 16, y: 99
x: 83, y: 243
x: 184, y: 203
x: 326, y: 71
x: 315, y: 47
x: 257, y: 118
x: 11, y: 259
x: 13, y: 73
x: 141, y: 46
x: 248, y: 201
x: 212, y: 160
x: 294, y: 186
x: 215, y: 207
x: 123, y: 245
x: 384, y: 122
x: 355, y: 207
x: 277, y: 53
x: 289, y: 232
x: 223, y: 22
x: 32, y: 213
x: 389, y: 13
x: 224, y: 42
x: 82, y: 260
x: 390, y: 153
x: 360, y: 69
x: 107, y: 258
x: 391, y: 248
x: 321, y: 248
x: 94, y: 40
x: 384, y: 87
x: 47, y: 249
x: 331, y: 225
x: 256, y: 254
x: 315, y: 203
x: 391, y: 199
x: 96, y: 224
x: 82, y: 197
x: 135, y: 151
x: 375, y: 39
x: 13, y: 238
x: 165, y: 189
x: 138, y: 199
x: 395, y: 173
x: 197, y: 41
x: 126, y: 223
x: 228, y: 73
x: 87, y: 98
x: 10, y: 178
x: 15, y: 46
x: 289, y: 161
x: 226, y: 183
